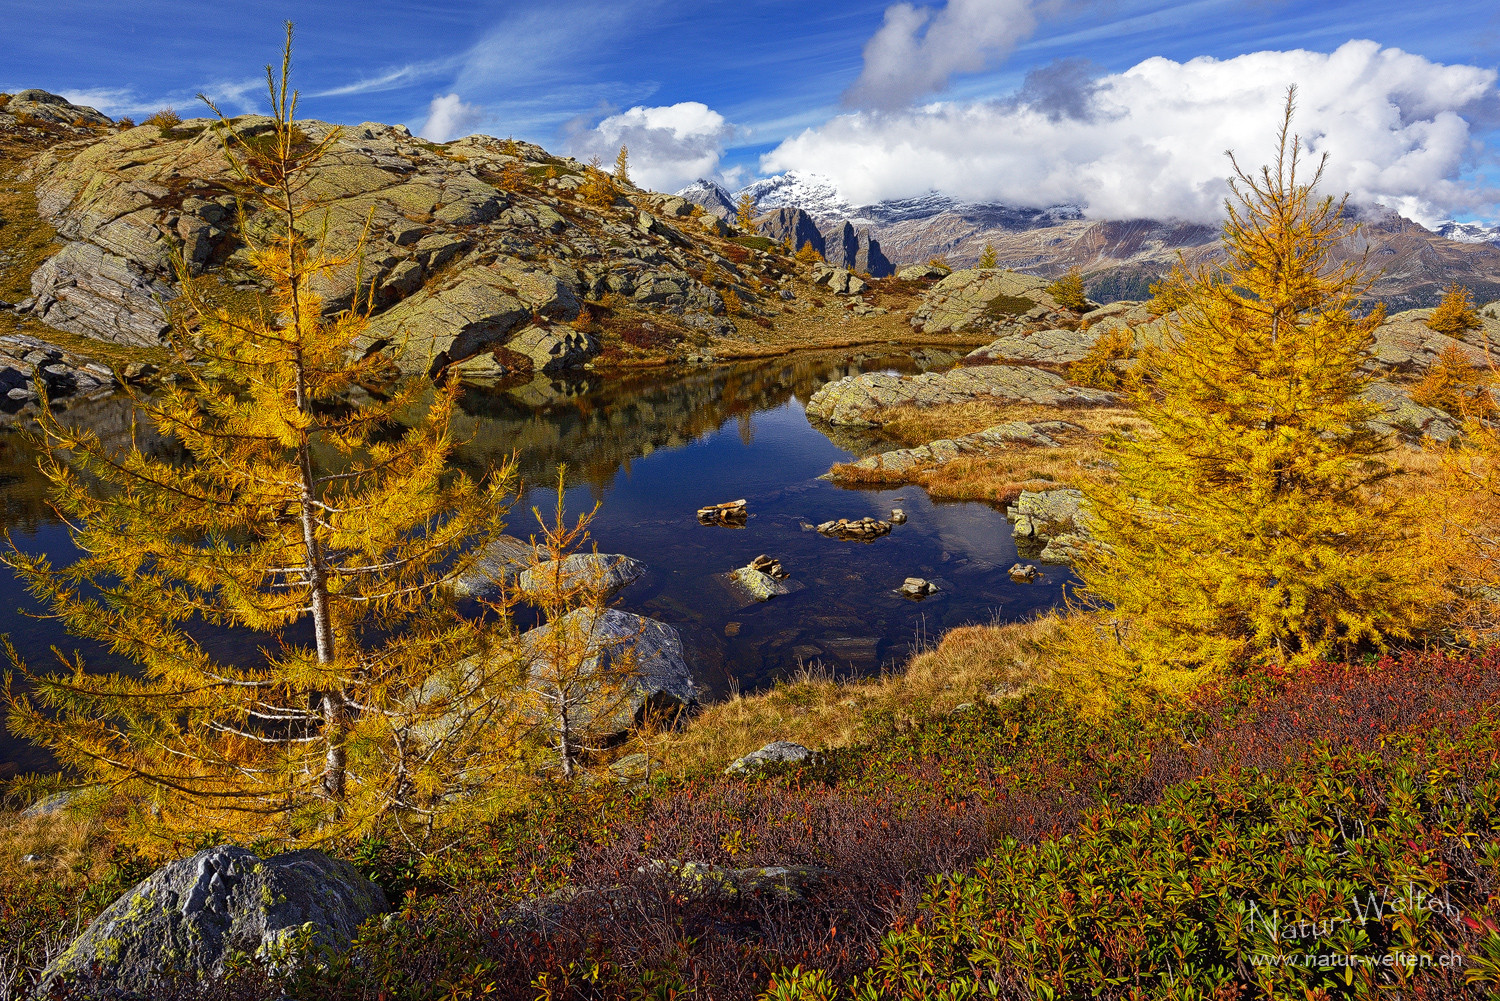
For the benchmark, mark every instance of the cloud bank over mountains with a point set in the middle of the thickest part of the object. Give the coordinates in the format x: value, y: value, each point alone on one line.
x: 1149, y: 142
x: 669, y: 146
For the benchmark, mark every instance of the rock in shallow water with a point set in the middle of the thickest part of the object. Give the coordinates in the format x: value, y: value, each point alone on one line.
x: 189, y: 916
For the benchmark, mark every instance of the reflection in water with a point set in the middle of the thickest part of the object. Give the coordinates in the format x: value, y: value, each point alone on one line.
x: 654, y: 451
x: 654, y: 448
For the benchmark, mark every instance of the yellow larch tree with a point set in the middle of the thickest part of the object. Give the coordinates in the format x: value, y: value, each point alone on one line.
x: 745, y: 213
x: 1254, y: 521
x: 1455, y: 314
x: 622, y: 165
x: 328, y: 533
x: 989, y: 257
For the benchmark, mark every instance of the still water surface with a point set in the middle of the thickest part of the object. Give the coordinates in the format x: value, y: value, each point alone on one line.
x: 651, y: 450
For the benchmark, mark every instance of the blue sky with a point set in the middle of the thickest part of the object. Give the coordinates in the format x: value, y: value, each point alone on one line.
x: 543, y: 71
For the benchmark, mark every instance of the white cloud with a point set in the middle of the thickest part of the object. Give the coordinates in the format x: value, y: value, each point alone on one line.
x: 448, y: 117
x: 1149, y: 142
x: 917, y: 50
x: 669, y: 146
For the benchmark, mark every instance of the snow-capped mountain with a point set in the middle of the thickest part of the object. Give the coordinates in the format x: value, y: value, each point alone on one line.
x: 796, y: 189
x: 712, y: 195
x: 1468, y: 232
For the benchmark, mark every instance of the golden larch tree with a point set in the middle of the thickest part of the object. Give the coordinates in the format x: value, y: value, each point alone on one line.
x: 1252, y: 521
x: 989, y: 257
x: 745, y: 213
x: 1455, y: 314
x: 622, y: 165
x: 1069, y: 293
x: 328, y: 531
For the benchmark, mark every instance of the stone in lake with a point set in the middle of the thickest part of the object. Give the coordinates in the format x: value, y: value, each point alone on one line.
x: 860, y: 530
x: 609, y: 572
x: 918, y: 587
x: 190, y: 916
x: 660, y: 677
x: 731, y: 513
x: 499, y: 564
x: 1023, y: 573
x: 898, y: 516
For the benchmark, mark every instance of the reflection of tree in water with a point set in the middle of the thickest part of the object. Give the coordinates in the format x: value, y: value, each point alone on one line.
x: 599, y: 427
x: 22, y: 485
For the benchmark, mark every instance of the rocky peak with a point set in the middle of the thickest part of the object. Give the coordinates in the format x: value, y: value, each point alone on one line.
x: 50, y: 108
x: 792, y: 225
x: 713, y: 197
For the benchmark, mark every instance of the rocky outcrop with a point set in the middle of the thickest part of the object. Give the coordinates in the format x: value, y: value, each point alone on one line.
x: 1410, y: 421
x: 792, y: 225
x: 464, y: 254
x: 85, y: 289
x: 42, y: 106
x: 855, y: 400
x: 944, y: 450
x: 1055, y: 518
x: 659, y: 675
x: 1405, y: 345
x: 855, y: 250
x: 780, y: 752
x: 981, y: 298
x: 189, y: 917
x: 65, y: 376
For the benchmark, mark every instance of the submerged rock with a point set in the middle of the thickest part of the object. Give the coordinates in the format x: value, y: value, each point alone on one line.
x: 190, y: 916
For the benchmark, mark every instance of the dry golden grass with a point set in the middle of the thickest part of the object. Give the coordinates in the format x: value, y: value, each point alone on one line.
x: 971, y: 664
x: 999, y: 476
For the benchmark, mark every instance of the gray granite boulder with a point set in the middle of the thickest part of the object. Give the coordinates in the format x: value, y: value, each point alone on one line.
x: 659, y: 674
x: 781, y: 752
x: 610, y: 572
x: 193, y: 915
x: 500, y: 563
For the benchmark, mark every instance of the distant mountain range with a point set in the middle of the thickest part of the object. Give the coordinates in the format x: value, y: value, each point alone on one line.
x: 1119, y: 258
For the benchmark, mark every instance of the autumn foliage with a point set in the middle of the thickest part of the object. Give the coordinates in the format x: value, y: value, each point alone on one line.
x: 1252, y: 522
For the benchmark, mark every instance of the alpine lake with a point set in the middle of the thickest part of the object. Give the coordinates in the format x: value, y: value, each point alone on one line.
x: 650, y: 449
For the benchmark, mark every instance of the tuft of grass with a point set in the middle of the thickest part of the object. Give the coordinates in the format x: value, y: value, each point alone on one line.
x: 971, y: 664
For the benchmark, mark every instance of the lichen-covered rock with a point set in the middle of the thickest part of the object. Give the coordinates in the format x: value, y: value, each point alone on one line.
x: 659, y: 674
x: 1405, y: 344
x: 780, y: 752
x: 500, y: 563
x: 922, y: 272
x: 1410, y: 420
x: 609, y: 572
x: 1049, y: 347
x: 1057, y: 518
x: 944, y: 450
x: 191, y: 916
x: 854, y: 400
x: 976, y: 297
